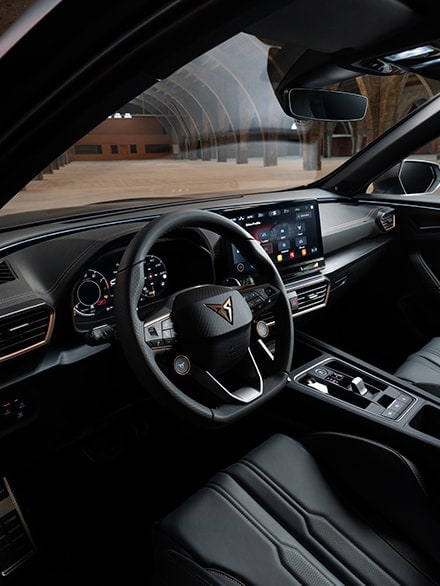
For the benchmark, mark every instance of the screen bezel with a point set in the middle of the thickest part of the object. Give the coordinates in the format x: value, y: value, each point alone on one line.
x: 247, y: 217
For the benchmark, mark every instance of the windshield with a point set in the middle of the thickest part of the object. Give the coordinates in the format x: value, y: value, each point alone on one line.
x: 215, y: 127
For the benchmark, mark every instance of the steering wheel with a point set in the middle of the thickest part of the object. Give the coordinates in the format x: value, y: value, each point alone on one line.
x: 201, y: 351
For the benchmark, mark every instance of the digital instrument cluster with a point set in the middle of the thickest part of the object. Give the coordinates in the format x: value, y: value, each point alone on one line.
x: 175, y: 262
x: 93, y: 295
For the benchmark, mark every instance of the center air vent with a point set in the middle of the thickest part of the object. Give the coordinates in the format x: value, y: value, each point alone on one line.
x: 24, y: 330
x: 6, y: 273
x: 309, y: 295
x: 386, y: 219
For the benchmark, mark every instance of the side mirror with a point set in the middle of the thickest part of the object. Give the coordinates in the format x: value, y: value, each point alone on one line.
x: 410, y: 176
x: 324, y: 105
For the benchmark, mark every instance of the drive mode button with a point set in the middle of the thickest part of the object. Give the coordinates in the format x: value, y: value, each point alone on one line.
x: 182, y: 364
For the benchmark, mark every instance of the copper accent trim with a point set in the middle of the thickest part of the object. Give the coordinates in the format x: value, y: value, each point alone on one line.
x: 223, y: 310
x: 36, y: 344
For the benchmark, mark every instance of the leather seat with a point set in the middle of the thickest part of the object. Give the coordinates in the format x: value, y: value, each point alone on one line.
x: 333, y: 509
x: 422, y: 368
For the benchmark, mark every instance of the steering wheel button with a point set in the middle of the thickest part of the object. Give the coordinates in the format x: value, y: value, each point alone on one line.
x: 262, y: 329
x: 168, y: 332
x: 182, y: 364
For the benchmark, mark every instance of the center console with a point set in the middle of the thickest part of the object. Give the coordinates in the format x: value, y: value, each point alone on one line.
x: 328, y: 377
x: 341, y: 380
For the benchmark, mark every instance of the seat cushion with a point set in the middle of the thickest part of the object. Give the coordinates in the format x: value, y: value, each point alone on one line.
x: 274, y: 518
x: 423, y: 367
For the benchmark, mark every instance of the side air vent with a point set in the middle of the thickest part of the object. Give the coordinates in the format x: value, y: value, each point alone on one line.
x: 309, y: 296
x: 24, y: 330
x: 386, y: 219
x: 6, y: 273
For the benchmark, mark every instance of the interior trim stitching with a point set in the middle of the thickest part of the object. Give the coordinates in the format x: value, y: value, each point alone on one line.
x: 188, y: 571
x: 397, y: 549
x: 413, y: 470
x: 305, y: 512
x: 407, y: 463
x: 428, y: 364
x: 263, y: 530
x: 425, y: 353
x: 225, y: 575
x: 423, y: 361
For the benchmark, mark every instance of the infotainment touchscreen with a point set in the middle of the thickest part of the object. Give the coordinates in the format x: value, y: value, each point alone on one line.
x: 289, y: 232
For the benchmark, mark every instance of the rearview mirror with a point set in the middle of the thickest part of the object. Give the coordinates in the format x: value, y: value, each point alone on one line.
x: 325, y: 105
x: 409, y: 176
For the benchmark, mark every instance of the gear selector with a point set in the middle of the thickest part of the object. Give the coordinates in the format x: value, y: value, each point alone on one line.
x: 358, y: 386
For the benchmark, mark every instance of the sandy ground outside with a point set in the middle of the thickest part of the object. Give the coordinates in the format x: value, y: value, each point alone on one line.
x: 80, y: 183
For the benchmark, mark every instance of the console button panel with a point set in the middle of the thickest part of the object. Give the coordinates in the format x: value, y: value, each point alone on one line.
x: 338, y: 379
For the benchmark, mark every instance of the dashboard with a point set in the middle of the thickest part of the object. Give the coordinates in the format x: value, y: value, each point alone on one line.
x: 290, y: 233
x: 293, y: 233
x: 57, y: 284
x: 59, y: 356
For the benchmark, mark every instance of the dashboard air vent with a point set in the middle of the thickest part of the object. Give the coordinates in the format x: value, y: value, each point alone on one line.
x: 6, y: 273
x: 24, y: 330
x: 307, y: 295
x: 386, y: 219
x: 312, y: 295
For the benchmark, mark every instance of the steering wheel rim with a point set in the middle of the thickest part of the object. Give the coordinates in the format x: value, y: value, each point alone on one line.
x: 131, y: 329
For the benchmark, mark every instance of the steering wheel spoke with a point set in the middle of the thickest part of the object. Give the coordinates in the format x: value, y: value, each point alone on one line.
x: 242, y: 384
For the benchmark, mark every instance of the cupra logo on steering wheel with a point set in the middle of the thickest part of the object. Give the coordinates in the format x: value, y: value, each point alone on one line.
x: 224, y: 311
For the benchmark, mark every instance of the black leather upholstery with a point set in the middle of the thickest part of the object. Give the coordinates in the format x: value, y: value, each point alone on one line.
x: 333, y: 509
x: 423, y: 367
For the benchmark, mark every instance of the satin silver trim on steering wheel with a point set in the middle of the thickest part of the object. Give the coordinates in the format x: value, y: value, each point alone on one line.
x: 245, y: 394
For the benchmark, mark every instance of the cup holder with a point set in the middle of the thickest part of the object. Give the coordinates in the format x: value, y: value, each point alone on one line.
x: 427, y: 420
